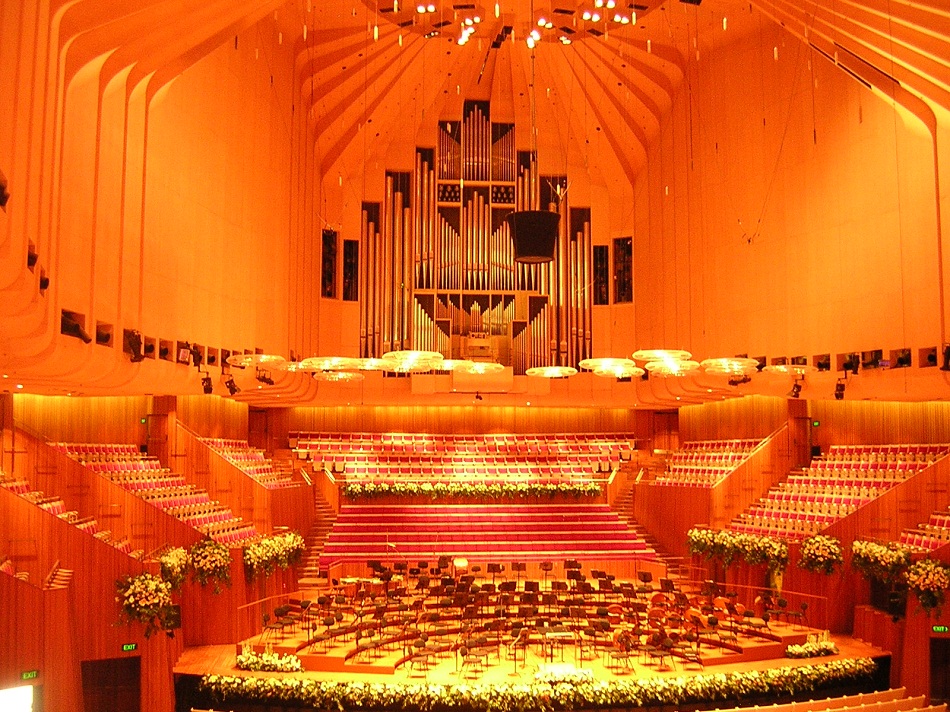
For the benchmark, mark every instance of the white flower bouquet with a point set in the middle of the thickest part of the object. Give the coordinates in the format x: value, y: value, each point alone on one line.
x: 929, y: 580
x: 174, y: 566
x: 211, y: 563
x: 887, y: 562
x: 146, y: 599
x: 821, y: 554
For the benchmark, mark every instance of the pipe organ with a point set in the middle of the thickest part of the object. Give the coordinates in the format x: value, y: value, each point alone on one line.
x: 437, y: 268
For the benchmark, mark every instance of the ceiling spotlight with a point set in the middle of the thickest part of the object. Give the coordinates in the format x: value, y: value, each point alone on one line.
x: 796, y: 390
x: 839, y: 389
x: 264, y: 377
x: 478, y: 397
x: 231, y: 386
x: 133, y: 342
x: 206, y: 385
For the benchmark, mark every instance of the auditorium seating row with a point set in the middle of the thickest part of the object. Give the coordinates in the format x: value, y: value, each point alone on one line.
x: 145, y: 477
x: 530, y: 532
x: 509, y: 445
x: 873, y: 470
x: 57, y: 507
x: 739, y: 445
x: 806, y: 502
x: 893, y: 700
x: 251, y: 461
x: 388, y: 472
x: 930, y: 535
x: 886, y: 453
x: 92, y: 452
x: 705, y: 463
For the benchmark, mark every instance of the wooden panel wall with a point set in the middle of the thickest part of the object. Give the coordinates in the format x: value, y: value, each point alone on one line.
x: 83, y: 420
x: 213, y: 416
x: 752, y: 479
x: 22, y: 630
x: 668, y: 511
x: 92, y: 494
x: 266, y: 508
x: 749, y: 417
x: 454, y: 419
x: 873, y: 422
x: 85, y: 627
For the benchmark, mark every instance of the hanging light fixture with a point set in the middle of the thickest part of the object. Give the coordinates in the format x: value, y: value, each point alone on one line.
x: 534, y: 232
x: 612, y: 367
x: 551, y: 372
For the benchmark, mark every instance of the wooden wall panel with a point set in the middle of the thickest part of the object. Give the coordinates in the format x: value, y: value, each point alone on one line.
x: 104, y: 419
x: 22, y: 630
x: 669, y: 511
x: 752, y: 479
x: 749, y: 417
x: 115, y: 508
x: 247, y: 498
x: 873, y: 422
x: 455, y: 419
x: 213, y: 416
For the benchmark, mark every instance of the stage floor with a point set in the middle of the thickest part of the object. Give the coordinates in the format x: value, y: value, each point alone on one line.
x: 220, y: 660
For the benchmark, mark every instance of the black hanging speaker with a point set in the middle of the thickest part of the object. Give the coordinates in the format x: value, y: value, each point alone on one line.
x: 534, y: 233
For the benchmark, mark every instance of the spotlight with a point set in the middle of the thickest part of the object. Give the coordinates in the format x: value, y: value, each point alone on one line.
x: 739, y: 380
x: 264, y: 377
x: 196, y: 357
x: 133, y: 342
x: 839, y: 389
x: 796, y: 390
x: 70, y: 326
x: 206, y: 385
x: 231, y: 386
x: 945, y: 366
x: 478, y: 396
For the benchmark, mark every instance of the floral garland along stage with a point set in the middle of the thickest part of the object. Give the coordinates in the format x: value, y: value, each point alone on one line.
x: 268, y: 661
x: 929, y: 580
x: 543, y: 696
x: 267, y: 553
x: 146, y: 599
x: 821, y: 554
x: 494, y: 490
x: 728, y: 546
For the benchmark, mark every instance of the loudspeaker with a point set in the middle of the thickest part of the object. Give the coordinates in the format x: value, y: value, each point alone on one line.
x: 534, y: 233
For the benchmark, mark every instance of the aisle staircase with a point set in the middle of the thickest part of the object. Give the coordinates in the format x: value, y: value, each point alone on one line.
x: 324, y: 517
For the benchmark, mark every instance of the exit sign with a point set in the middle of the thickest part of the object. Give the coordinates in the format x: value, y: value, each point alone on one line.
x: 129, y: 647
x: 29, y: 675
x: 815, y: 423
x: 941, y: 629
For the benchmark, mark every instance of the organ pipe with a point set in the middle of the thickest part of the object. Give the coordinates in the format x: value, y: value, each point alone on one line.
x: 435, y: 266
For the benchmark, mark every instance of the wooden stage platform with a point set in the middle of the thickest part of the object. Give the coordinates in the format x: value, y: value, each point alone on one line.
x: 448, y: 669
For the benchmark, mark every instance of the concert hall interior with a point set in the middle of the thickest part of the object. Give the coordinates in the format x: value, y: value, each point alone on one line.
x: 475, y: 343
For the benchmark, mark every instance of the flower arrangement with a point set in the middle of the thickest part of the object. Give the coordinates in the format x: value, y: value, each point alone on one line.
x: 211, y: 563
x: 821, y: 554
x: 540, y: 695
x: 174, y: 566
x: 811, y: 649
x: 492, y: 490
x: 729, y: 546
x: 267, y: 553
x: 887, y: 562
x: 929, y: 580
x: 146, y: 599
x: 268, y: 661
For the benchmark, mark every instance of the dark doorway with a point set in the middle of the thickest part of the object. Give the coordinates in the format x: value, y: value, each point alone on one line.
x: 939, y: 670
x: 112, y: 685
